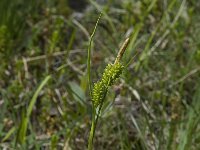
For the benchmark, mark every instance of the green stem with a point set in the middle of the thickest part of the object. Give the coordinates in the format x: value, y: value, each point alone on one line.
x: 95, y: 118
x: 92, y: 130
x: 89, y: 55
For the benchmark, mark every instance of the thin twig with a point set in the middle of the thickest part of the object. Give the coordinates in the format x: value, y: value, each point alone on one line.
x: 30, y: 59
x: 185, y: 77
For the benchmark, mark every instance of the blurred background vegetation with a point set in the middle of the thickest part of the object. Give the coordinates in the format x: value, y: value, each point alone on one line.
x: 44, y: 98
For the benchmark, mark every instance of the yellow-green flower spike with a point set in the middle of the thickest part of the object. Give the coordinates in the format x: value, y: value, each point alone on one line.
x: 111, y: 73
x: 98, y: 93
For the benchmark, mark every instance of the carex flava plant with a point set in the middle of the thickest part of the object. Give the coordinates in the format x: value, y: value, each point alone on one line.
x: 111, y: 73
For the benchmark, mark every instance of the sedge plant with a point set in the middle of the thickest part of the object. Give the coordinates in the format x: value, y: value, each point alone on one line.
x: 100, y: 89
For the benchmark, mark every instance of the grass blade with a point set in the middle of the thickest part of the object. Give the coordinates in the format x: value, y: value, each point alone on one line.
x: 21, y: 137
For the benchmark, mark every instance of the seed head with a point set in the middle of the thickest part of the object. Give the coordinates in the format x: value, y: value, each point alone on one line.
x: 111, y: 73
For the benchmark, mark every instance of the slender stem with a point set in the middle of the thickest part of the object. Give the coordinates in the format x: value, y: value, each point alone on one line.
x: 92, y: 130
x: 95, y: 118
x: 89, y: 55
